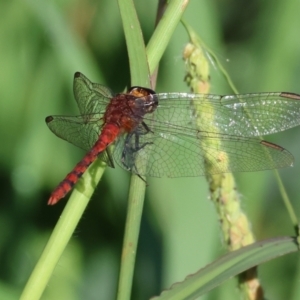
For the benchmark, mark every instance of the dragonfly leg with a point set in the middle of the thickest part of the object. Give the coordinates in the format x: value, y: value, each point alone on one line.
x: 131, y: 147
x: 146, y: 128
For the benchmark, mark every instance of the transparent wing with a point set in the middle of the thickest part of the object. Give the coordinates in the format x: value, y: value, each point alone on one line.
x: 76, y: 130
x: 168, y: 155
x: 239, y: 115
x: 90, y: 97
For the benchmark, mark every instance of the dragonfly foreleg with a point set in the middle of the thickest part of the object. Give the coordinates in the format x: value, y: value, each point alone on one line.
x: 131, y: 147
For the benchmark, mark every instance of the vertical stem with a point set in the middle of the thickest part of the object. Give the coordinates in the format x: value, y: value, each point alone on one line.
x: 139, y: 76
x: 139, y: 68
x: 132, y: 229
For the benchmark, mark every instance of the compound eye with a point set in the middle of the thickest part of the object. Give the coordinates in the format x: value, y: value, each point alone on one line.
x: 138, y: 91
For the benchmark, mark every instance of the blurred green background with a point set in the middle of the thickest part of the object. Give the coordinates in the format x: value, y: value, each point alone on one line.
x: 42, y: 44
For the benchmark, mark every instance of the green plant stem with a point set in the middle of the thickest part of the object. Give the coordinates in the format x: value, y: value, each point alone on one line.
x: 163, y: 32
x: 287, y: 202
x: 132, y: 229
x: 140, y: 76
x: 62, y: 232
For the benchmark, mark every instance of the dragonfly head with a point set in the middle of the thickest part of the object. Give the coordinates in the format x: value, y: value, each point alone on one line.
x: 145, y: 98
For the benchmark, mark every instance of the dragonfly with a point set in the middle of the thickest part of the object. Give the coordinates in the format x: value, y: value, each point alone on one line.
x: 174, y: 134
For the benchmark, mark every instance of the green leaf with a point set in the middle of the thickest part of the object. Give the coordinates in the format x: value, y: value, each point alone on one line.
x: 228, y: 266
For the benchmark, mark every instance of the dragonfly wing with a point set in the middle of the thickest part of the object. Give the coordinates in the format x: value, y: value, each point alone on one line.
x: 106, y: 157
x: 76, y: 130
x: 90, y: 97
x: 168, y: 155
x: 239, y: 115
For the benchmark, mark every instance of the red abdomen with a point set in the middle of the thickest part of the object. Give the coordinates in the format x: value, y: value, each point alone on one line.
x: 108, y: 135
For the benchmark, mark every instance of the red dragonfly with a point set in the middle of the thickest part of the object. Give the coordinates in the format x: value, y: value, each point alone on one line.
x: 174, y: 134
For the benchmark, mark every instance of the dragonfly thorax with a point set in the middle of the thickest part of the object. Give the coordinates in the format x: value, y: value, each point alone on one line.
x: 127, y: 111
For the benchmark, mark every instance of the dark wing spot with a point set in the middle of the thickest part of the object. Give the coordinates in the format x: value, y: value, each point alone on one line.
x: 49, y: 119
